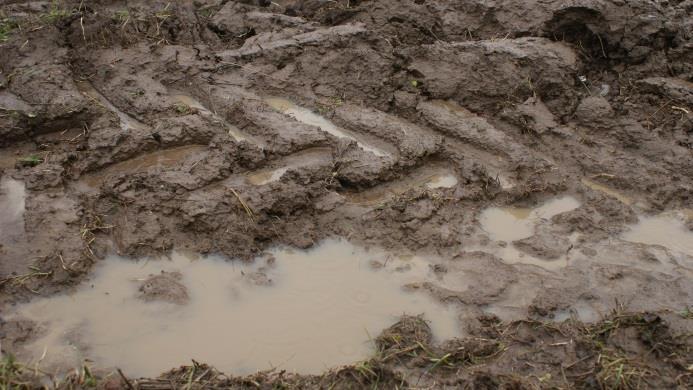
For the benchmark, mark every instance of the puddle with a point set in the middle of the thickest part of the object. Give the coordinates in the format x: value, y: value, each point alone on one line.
x: 126, y: 121
x: 158, y: 159
x: 667, y: 230
x: 508, y: 224
x: 442, y: 181
x: 12, y: 204
x: 608, y: 191
x: 310, y: 118
x: 233, y: 131
x: 305, y: 158
x: 513, y: 223
x: 309, y: 311
x: 429, y: 178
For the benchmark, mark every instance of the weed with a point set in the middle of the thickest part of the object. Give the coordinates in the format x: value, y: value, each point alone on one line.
x: 615, y: 371
x: 6, y: 27
x: 55, y: 13
x: 182, y: 108
x: 122, y: 17
x: 30, y: 161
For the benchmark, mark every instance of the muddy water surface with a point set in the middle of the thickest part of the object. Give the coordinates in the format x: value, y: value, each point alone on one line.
x: 12, y: 204
x: 667, y: 230
x: 304, y: 311
x: 310, y: 118
x: 513, y: 223
x: 436, y: 178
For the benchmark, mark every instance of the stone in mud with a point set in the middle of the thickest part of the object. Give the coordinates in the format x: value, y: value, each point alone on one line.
x: 165, y: 287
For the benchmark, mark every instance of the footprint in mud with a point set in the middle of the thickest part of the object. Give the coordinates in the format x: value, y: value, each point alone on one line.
x: 667, y: 229
x: 320, y: 310
x: 509, y: 226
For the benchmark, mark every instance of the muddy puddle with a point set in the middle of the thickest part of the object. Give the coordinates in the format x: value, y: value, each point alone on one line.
x: 12, y: 204
x: 515, y: 223
x: 310, y: 157
x: 507, y: 224
x: 233, y: 131
x: 667, y: 229
x: 428, y: 178
x: 295, y: 310
x: 126, y: 121
x: 150, y: 160
x: 308, y: 117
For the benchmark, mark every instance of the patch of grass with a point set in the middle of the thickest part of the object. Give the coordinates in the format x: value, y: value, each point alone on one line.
x: 10, y: 373
x: 182, y: 108
x: 121, y: 15
x: 30, y: 161
x: 7, y: 25
x: 615, y: 371
x: 55, y: 13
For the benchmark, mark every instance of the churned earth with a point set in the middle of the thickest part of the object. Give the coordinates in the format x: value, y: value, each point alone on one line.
x: 346, y: 194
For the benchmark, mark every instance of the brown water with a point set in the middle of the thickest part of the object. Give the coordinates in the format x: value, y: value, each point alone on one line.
x: 510, y: 224
x: 310, y: 118
x: 321, y: 309
x: 12, y: 205
x: 667, y: 229
x: 513, y: 223
x: 158, y: 159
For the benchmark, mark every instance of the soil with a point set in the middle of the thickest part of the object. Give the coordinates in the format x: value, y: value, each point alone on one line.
x: 135, y: 127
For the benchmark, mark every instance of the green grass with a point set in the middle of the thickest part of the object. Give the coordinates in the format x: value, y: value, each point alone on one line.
x: 31, y: 161
x: 55, y: 13
x: 7, y: 25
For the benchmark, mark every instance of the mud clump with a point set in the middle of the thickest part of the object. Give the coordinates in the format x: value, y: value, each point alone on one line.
x: 165, y: 287
x: 453, y: 132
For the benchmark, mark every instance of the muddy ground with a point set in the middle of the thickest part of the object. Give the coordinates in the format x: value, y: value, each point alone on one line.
x: 136, y: 127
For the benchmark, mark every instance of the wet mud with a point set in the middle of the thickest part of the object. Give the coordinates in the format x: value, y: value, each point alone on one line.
x: 519, y: 172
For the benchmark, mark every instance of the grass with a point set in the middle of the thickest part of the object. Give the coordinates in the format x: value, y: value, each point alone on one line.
x: 182, y: 108
x: 55, y: 13
x: 30, y: 161
x: 10, y: 372
x: 7, y: 25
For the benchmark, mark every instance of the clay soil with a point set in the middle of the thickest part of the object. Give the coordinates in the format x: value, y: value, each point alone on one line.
x: 134, y: 126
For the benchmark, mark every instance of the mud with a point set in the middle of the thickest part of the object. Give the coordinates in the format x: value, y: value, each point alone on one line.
x: 537, y: 154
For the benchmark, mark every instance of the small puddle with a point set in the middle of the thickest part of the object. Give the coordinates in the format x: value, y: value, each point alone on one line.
x: 608, y: 191
x: 126, y: 121
x: 446, y: 180
x: 432, y: 179
x: 233, y: 131
x: 159, y: 159
x: 513, y: 223
x: 310, y: 118
x: 667, y: 229
x: 12, y: 205
x: 510, y: 224
x: 303, y: 311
